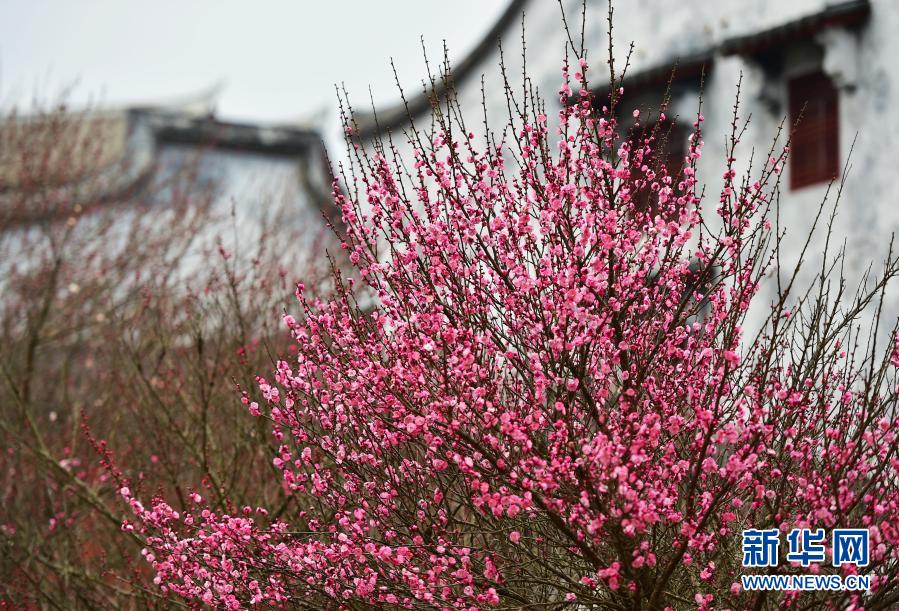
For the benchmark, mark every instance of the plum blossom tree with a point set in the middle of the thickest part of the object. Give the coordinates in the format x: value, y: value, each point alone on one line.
x: 537, y: 392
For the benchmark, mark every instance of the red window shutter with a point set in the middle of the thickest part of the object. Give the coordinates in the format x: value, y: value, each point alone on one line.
x: 815, y: 141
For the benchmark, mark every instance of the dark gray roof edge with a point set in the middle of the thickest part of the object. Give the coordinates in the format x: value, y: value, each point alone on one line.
x: 847, y: 14
x: 686, y: 68
x: 690, y: 67
x: 379, y: 121
x: 183, y: 128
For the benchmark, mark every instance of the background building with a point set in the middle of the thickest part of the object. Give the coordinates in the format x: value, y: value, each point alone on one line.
x: 110, y: 157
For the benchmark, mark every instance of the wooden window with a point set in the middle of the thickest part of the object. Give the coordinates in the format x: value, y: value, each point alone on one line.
x: 815, y: 143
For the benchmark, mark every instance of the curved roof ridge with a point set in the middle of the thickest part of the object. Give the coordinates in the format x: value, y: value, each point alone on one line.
x: 378, y: 121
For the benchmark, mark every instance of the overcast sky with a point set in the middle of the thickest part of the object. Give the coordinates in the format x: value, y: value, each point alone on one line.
x: 278, y: 61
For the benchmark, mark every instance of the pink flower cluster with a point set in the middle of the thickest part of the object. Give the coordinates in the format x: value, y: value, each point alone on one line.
x: 551, y: 401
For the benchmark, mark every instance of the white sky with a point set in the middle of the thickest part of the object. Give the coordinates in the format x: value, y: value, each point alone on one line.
x: 278, y: 60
